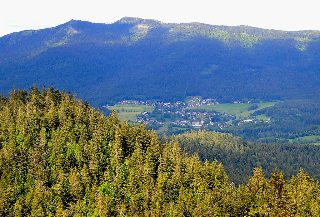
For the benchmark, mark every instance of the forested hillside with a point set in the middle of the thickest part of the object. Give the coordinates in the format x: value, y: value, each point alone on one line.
x: 146, y: 59
x: 296, y: 121
x: 240, y: 157
x: 61, y: 157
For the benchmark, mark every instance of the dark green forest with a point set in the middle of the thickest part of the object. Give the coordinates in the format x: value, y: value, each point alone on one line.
x: 240, y: 157
x: 61, y: 157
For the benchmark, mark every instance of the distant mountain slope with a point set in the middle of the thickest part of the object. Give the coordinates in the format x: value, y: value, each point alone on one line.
x: 146, y: 59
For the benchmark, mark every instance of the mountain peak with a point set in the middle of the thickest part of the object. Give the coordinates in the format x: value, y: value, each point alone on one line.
x: 130, y: 20
x: 73, y: 22
x: 136, y: 20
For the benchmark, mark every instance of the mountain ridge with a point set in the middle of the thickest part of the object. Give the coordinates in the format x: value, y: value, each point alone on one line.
x: 135, y: 58
x: 187, y: 28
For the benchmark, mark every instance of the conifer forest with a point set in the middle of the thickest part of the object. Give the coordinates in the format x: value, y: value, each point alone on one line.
x: 61, y: 157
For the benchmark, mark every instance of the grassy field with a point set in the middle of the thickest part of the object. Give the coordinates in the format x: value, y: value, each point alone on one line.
x: 262, y: 117
x: 129, y: 112
x: 163, y: 129
x: 306, y: 139
x: 240, y: 110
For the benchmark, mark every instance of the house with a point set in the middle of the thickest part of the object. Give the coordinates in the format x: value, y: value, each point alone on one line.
x: 248, y: 120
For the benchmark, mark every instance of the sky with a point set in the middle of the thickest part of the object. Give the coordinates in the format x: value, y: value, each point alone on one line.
x: 290, y: 15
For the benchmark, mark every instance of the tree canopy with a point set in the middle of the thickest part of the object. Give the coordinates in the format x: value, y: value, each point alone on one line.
x: 61, y: 157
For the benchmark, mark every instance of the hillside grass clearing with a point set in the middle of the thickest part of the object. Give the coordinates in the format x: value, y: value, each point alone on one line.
x: 313, y: 139
x: 129, y: 112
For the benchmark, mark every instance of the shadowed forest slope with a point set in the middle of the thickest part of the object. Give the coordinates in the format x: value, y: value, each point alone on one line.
x: 146, y: 59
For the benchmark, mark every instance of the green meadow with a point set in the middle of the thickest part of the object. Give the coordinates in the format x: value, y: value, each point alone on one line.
x: 314, y: 139
x: 129, y: 112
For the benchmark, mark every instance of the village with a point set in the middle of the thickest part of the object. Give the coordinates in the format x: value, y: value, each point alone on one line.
x: 186, y: 114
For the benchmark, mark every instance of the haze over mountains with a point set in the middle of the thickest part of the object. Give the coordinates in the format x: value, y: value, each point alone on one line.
x: 146, y: 59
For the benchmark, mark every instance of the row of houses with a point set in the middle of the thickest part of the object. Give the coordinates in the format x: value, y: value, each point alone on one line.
x: 195, y: 102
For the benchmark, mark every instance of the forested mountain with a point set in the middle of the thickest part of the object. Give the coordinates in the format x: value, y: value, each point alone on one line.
x: 146, y: 59
x: 61, y: 157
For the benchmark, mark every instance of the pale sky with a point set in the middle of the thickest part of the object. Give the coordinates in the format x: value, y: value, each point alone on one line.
x: 18, y: 15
